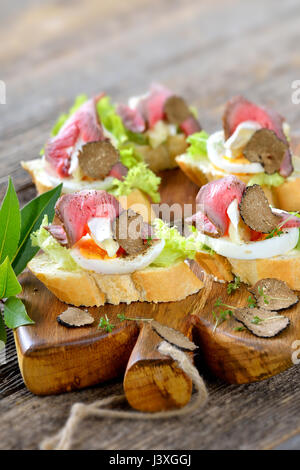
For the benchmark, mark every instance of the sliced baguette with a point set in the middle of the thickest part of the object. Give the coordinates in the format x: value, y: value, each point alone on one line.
x: 285, y: 268
x: 137, y: 200
x: 285, y: 197
x: 91, y: 289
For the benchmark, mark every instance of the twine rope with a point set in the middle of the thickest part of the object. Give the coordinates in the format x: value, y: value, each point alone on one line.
x: 79, y: 411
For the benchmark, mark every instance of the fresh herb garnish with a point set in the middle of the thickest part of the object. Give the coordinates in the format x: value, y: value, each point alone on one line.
x: 276, y: 231
x: 232, y: 286
x: 123, y: 317
x: 239, y: 328
x: 16, y: 251
x: 263, y: 295
x: 251, y: 302
x: 256, y: 320
x: 105, y: 324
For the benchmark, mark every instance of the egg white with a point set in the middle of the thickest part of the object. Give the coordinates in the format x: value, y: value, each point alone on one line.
x: 267, y: 248
x: 125, y: 265
x: 216, y: 152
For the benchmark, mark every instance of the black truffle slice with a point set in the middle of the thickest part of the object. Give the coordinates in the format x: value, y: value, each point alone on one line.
x: 74, y: 317
x: 273, y: 294
x: 261, y: 322
x: 256, y: 212
x: 128, y: 229
x: 173, y: 336
x: 265, y: 147
x: 96, y: 159
x: 176, y: 110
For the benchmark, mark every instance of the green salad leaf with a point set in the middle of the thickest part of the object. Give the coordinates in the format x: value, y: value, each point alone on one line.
x: 138, y: 177
x: 10, y: 222
x: 266, y: 180
x: 15, y: 314
x: 197, y: 149
x: 59, y: 254
x: 129, y: 156
x: 31, y: 218
x: 111, y: 120
x: 177, y: 248
x: 137, y: 137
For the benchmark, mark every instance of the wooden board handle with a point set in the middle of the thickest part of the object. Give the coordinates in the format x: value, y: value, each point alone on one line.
x: 154, y: 382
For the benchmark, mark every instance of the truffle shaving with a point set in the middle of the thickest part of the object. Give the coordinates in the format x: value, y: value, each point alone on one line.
x: 256, y: 212
x: 273, y: 294
x: 262, y: 323
x: 176, y: 110
x: 128, y: 230
x: 74, y: 317
x: 173, y: 336
x: 266, y: 148
x: 96, y: 159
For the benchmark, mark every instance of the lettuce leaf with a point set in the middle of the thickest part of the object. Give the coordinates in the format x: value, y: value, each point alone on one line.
x: 138, y: 177
x: 111, y: 120
x: 266, y: 180
x: 59, y: 254
x: 197, y: 149
x: 137, y: 137
x: 129, y: 156
x: 177, y: 248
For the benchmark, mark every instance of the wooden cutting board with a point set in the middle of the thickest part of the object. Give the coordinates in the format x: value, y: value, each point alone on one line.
x: 55, y: 359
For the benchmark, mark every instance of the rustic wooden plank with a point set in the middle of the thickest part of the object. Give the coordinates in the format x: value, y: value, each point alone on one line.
x: 206, y: 50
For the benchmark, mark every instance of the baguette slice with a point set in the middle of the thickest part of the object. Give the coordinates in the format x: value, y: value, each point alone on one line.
x: 92, y: 289
x: 285, y: 197
x: 137, y: 200
x: 286, y: 268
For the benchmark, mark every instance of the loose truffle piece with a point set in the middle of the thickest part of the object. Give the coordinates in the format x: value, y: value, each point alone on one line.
x: 96, y: 159
x: 176, y: 110
x: 261, y: 322
x: 273, y: 294
x: 266, y: 148
x: 128, y: 229
x: 74, y: 317
x: 256, y: 212
x: 173, y: 336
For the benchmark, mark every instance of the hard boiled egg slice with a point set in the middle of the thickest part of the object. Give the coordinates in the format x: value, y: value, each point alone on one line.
x: 101, y: 232
x: 126, y: 265
x: 216, y: 154
x: 278, y: 245
x: 240, y: 137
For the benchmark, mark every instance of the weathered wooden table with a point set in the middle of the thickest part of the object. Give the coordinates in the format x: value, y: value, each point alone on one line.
x: 208, y: 51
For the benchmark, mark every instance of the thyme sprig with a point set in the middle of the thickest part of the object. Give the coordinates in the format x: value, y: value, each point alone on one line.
x: 232, y: 286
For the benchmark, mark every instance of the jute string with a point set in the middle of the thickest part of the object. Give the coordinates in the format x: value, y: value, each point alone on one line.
x: 79, y: 411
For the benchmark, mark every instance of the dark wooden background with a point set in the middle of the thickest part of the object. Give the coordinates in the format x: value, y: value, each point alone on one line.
x: 205, y: 50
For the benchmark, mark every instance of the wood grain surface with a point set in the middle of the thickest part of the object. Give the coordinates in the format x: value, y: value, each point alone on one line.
x: 207, y: 51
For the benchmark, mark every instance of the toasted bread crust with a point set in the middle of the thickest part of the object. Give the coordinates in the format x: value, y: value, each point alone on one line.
x: 250, y: 271
x: 88, y: 289
x: 288, y: 195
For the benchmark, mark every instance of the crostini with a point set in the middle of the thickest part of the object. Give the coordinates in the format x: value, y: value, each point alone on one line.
x: 96, y: 252
x: 253, y: 145
x: 247, y: 237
